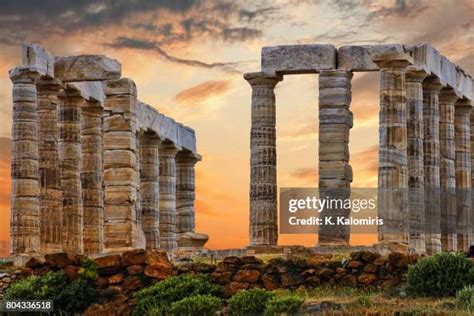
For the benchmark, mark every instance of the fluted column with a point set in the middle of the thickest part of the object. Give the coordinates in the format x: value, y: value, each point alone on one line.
x: 431, y: 154
x: 263, y: 228
x: 393, y: 166
x: 462, y: 137
x: 149, y: 188
x: 447, y: 98
x: 92, y: 170
x: 335, y: 172
x: 416, y: 181
x: 51, y: 201
x: 122, y: 225
x: 25, y: 209
x: 167, y: 185
x: 471, y: 222
x: 70, y: 157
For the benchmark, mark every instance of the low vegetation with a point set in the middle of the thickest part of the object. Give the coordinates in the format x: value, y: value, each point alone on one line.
x: 440, y: 275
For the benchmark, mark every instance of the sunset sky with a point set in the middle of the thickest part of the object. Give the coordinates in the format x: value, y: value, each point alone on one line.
x: 187, y: 58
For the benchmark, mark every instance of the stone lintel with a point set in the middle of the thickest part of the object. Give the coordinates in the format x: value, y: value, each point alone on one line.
x: 298, y: 59
x: 393, y: 60
x: 360, y: 58
x: 89, y: 90
x: 463, y: 105
x: 167, y: 128
x: 36, y: 56
x: 87, y: 68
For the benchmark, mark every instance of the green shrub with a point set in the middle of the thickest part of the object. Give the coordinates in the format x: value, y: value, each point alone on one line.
x: 198, y: 305
x: 465, y: 298
x: 249, y: 302
x: 287, y: 304
x: 89, y: 269
x: 161, y: 295
x: 68, y: 296
x: 440, y: 275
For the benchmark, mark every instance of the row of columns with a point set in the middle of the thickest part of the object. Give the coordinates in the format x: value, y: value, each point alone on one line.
x: 85, y: 180
x: 425, y: 157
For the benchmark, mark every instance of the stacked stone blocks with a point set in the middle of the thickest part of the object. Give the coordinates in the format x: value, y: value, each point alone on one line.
x: 87, y: 163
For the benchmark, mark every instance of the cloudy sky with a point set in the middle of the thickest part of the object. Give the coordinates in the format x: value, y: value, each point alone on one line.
x: 187, y: 58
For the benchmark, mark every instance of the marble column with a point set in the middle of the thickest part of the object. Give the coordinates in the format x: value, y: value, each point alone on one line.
x: 167, y: 179
x: 25, y: 209
x: 263, y: 228
x: 335, y: 172
x: 92, y: 170
x: 447, y: 98
x: 149, y: 188
x: 416, y: 181
x: 51, y: 200
x: 70, y: 157
x: 122, y: 227
x: 431, y: 154
x: 462, y: 137
x: 393, y: 164
x: 185, y: 196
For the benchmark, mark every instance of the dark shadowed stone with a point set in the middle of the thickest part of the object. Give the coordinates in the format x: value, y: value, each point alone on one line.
x: 135, y: 269
x: 249, y: 276
x: 222, y: 277
x: 234, y: 287
x: 290, y: 279
x: 366, y: 278
x: 270, y: 281
x: 398, y: 259
x: 33, y: 263
x: 59, y: 260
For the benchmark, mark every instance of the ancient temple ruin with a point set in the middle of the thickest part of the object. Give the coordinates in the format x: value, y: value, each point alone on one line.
x: 95, y: 170
x: 425, y: 140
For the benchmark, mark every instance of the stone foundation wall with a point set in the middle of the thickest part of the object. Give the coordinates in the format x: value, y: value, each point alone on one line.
x: 122, y: 275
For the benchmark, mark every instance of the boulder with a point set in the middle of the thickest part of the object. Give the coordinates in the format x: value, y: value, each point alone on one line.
x: 398, y: 259
x: 270, y: 281
x: 133, y: 257
x: 135, y: 269
x: 59, y: 260
x: 366, y: 278
x: 249, y: 276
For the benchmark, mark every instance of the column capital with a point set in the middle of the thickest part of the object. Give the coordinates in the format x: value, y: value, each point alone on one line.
x: 432, y: 84
x: 448, y: 95
x: 168, y: 149
x: 49, y: 85
x: 262, y: 78
x: 393, y: 60
x: 24, y: 75
x: 463, y: 107
x: 415, y: 75
x: 187, y: 157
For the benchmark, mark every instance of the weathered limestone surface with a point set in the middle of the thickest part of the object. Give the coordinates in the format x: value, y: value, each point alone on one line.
x: 37, y: 58
x: 86, y: 166
x: 263, y: 184
x: 393, y: 165
x: 416, y: 180
x: 87, y: 68
x: 166, y: 127
x: 70, y: 157
x: 335, y: 172
x: 288, y: 59
x: 431, y: 154
x: 51, y: 201
x: 121, y: 217
x: 167, y: 185
x: 185, y: 196
x: 447, y: 98
x: 462, y: 137
x: 149, y: 188
x: 25, y: 225
x: 92, y: 170
x: 360, y: 58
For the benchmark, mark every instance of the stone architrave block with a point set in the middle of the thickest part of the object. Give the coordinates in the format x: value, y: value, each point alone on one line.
x: 38, y: 57
x: 359, y: 58
x: 298, y: 59
x: 87, y: 68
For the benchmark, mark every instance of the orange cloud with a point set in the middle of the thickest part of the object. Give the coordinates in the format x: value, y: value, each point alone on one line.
x: 203, y: 91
